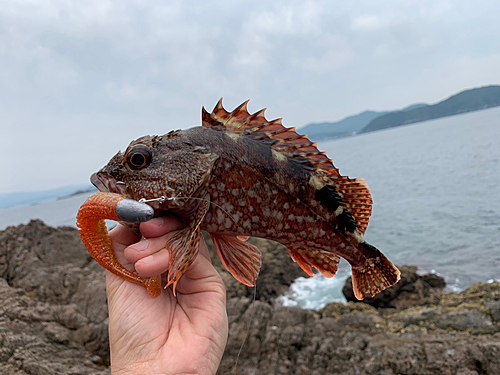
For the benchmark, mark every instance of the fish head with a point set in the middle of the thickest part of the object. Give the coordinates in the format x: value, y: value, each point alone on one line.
x: 141, y: 172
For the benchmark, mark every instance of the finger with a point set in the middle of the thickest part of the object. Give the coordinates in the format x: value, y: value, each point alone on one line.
x: 121, y: 237
x: 154, y: 264
x: 145, y: 248
x: 160, y: 226
x: 152, y: 258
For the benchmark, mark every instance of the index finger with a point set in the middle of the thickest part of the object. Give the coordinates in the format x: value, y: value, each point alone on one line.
x: 163, y: 225
x: 160, y: 226
x: 121, y: 237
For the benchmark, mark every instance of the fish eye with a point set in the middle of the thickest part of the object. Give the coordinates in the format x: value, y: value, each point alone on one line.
x: 138, y: 157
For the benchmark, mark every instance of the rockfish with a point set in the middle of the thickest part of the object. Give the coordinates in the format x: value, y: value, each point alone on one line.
x: 239, y: 175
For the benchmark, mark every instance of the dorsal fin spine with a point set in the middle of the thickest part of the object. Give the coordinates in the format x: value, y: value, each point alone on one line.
x: 242, y: 107
x: 273, y: 133
x: 260, y: 113
x: 257, y: 128
x: 314, y: 162
x: 288, y: 142
x: 300, y: 145
x: 242, y: 125
x: 219, y: 105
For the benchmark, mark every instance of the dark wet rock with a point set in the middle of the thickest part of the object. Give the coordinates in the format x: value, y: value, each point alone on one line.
x: 355, y: 337
x: 462, y: 319
x: 53, y: 319
x: 493, y: 309
x: 413, y: 289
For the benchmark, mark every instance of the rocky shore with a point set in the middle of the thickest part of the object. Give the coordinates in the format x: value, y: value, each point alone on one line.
x: 53, y: 318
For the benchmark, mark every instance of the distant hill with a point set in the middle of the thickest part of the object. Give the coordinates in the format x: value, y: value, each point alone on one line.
x: 22, y: 198
x: 465, y: 101
x: 352, y: 124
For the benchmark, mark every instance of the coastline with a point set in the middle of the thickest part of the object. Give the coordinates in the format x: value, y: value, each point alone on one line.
x: 54, y: 318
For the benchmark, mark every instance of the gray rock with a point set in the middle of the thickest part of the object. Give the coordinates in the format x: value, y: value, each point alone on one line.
x: 494, y: 308
x: 45, y: 305
x: 462, y: 319
x: 53, y: 319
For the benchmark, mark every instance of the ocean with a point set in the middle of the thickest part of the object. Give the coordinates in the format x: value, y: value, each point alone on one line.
x: 436, y: 192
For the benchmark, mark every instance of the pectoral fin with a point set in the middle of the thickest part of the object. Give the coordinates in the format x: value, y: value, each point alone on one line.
x: 240, y: 258
x: 308, y: 257
x: 183, y: 246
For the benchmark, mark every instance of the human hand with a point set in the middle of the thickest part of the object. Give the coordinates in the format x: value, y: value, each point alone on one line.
x: 185, y: 334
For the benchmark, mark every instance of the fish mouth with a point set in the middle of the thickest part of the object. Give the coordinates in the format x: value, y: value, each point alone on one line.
x: 108, y: 184
x: 104, y: 183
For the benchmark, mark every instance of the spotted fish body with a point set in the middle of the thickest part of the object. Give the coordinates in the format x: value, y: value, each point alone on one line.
x: 239, y: 175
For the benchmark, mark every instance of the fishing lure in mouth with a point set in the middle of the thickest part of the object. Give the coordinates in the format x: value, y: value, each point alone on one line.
x: 92, y: 228
x: 240, y: 175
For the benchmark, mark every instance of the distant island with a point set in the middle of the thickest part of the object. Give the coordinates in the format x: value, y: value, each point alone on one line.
x: 465, y: 101
x: 8, y: 200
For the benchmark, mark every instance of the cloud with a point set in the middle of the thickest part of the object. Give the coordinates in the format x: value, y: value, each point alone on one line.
x: 435, y: 9
x: 332, y: 52
x: 85, y: 78
x: 296, y: 19
x: 374, y: 22
x: 265, y: 31
x: 367, y: 22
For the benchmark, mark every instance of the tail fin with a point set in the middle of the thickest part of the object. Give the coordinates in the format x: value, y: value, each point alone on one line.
x: 375, y: 275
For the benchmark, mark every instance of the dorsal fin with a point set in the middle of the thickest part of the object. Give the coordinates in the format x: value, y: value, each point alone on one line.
x: 284, y: 140
x: 354, y: 193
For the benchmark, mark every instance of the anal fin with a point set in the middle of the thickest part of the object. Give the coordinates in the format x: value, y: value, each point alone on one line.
x: 240, y: 258
x: 375, y: 275
x: 309, y: 257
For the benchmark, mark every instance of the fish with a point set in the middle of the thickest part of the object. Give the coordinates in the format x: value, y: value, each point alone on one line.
x: 240, y: 175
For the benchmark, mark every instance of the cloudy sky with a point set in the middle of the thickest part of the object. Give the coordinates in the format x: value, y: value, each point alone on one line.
x: 80, y: 79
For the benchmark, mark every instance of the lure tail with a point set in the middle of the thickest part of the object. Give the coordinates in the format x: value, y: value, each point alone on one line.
x: 375, y: 275
x: 92, y: 229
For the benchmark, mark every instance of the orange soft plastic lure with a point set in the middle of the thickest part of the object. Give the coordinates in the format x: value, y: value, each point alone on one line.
x: 92, y: 229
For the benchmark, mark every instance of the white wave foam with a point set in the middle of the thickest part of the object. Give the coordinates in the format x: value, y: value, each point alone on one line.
x: 315, y: 292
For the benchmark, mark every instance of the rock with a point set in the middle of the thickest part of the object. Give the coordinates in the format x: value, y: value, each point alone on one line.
x: 53, y: 313
x: 462, y: 319
x: 53, y: 319
x: 357, y: 338
x: 411, y: 290
x: 494, y: 310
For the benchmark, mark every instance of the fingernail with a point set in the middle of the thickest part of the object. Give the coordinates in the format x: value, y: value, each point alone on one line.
x: 141, y: 245
x: 148, y: 259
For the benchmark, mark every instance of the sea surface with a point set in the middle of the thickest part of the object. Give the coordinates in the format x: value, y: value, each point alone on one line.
x: 436, y: 192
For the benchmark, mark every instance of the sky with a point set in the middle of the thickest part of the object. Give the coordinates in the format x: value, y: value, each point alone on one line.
x: 79, y: 80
